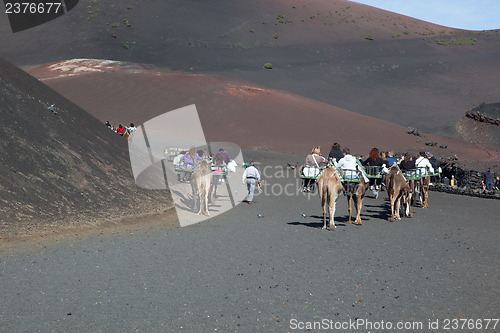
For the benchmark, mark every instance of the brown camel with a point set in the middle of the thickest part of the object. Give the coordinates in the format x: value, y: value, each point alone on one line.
x: 425, y: 181
x: 201, y: 179
x: 127, y: 134
x: 217, y: 165
x: 329, y: 187
x: 421, y: 191
x: 356, y: 192
x: 397, y: 189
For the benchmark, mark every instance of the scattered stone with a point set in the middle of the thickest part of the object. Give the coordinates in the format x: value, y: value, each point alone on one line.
x: 413, y: 131
x: 482, y: 114
x: 431, y: 144
x: 443, y: 146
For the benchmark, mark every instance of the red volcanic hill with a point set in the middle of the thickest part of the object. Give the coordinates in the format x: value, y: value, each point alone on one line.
x: 353, y: 56
x: 231, y: 110
x: 60, y: 166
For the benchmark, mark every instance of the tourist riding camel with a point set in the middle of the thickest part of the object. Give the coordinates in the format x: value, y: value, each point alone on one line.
x: 390, y: 159
x: 311, y: 167
x: 355, y: 184
x: 188, y: 162
x: 218, y: 167
x: 374, y: 162
x: 224, y: 155
x: 423, y: 165
x: 425, y: 169
x: 335, y: 153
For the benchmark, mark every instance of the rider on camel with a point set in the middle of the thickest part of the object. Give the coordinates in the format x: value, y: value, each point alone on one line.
x: 335, y: 154
x: 312, y: 160
x: 189, y: 161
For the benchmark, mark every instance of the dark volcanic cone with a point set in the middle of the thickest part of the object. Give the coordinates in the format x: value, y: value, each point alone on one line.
x: 60, y: 166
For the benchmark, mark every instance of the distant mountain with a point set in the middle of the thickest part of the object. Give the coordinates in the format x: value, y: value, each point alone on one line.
x: 353, y: 56
x: 59, y: 165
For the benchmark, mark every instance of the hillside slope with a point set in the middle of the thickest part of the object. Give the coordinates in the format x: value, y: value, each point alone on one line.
x: 62, y: 166
x: 357, y: 57
x: 231, y: 110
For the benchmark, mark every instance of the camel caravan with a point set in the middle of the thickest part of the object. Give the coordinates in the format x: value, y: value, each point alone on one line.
x: 204, y: 173
x: 406, y: 181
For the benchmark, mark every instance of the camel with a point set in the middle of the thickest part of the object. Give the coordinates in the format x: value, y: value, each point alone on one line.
x: 397, y: 189
x: 329, y: 188
x: 201, y: 179
x: 424, y: 186
x: 421, y: 191
x: 127, y: 134
x: 356, y: 192
x: 217, y: 171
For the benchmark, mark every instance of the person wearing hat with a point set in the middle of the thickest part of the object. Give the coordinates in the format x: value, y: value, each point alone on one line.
x: 434, y: 163
x: 251, y: 176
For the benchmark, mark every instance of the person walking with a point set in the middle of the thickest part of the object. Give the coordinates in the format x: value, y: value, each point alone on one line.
x: 488, y: 180
x: 251, y: 176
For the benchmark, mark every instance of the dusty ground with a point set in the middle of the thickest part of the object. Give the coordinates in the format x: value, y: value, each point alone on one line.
x: 238, y: 272
x: 329, y: 82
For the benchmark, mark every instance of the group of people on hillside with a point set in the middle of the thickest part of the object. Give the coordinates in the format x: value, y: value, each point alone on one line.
x: 343, y: 160
x: 120, y: 129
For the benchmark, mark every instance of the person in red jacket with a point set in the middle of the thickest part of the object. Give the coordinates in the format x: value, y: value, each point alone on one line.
x: 120, y: 130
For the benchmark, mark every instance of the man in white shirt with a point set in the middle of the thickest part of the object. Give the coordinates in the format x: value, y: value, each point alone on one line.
x: 348, y: 165
x: 132, y: 128
x: 423, y: 165
x: 251, y: 176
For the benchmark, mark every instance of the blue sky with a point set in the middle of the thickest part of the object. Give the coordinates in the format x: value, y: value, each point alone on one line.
x: 460, y: 14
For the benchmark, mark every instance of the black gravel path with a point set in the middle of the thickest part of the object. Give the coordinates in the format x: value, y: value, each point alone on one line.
x: 238, y: 272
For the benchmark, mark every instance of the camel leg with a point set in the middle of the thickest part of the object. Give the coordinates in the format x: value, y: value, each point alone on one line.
x: 391, y: 199
x: 350, y: 208
x: 408, y: 204
x: 200, y: 197
x: 214, y: 191
x: 206, y: 201
x: 397, y: 207
x: 426, y: 194
x: 323, y: 205
x: 332, y: 205
x: 195, y: 197
x: 407, y: 207
x: 359, y: 204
